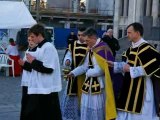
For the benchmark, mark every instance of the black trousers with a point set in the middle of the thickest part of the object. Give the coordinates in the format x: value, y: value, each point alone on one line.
x: 40, y: 106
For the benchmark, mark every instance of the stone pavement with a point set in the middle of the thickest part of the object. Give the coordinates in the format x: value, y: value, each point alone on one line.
x: 10, y: 95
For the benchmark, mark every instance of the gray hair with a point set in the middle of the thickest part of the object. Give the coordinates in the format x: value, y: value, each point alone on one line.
x: 110, y: 30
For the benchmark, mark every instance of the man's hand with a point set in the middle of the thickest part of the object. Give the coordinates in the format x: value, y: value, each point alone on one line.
x: 126, y: 68
x: 21, y: 62
x: 110, y: 63
x: 70, y: 75
x: 67, y: 62
x: 30, y: 58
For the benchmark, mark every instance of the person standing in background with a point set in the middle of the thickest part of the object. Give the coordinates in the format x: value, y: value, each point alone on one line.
x: 12, y: 51
x: 111, y: 41
x: 22, y: 41
x: 71, y: 38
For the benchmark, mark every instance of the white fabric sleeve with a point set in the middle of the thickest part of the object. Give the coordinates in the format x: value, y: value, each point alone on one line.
x: 96, y: 71
x: 81, y: 69
x: 118, y: 67
x: 8, y: 50
x: 24, y: 58
x: 136, y: 71
x: 68, y: 56
x: 48, y: 52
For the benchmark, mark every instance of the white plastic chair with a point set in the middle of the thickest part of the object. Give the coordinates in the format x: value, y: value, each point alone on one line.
x: 4, y: 62
x: 2, y: 49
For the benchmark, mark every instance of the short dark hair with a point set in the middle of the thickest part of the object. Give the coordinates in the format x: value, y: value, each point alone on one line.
x: 137, y: 27
x: 37, y: 29
x: 90, y: 32
x: 81, y: 29
x: 11, y: 40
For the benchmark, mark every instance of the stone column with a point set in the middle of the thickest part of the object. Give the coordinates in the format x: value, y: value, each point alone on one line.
x: 135, y: 11
x: 155, y: 10
x: 87, y: 5
x: 132, y: 11
x: 37, y: 10
x: 139, y: 10
x: 116, y: 17
x: 75, y: 6
x: 148, y: 8
x: 125, y: 8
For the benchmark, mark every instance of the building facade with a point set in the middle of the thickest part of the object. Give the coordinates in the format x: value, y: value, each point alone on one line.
x: 146, y: 12
x: 74, y: 13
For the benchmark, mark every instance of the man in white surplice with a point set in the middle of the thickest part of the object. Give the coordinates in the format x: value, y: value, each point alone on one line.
x: 136, y: 100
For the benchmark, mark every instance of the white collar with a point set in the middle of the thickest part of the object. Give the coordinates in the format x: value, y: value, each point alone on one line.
x: 98, y: 40
x: 136, y: 44
x: 78, y: 41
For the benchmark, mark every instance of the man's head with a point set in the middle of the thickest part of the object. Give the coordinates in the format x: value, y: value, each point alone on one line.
x: 109, y: 32
x: 72, y: 33
x: 134, y: 32
x: 11, y: 40
x: 90, y: 37
x: 36, y: 33
x: 80, y: 34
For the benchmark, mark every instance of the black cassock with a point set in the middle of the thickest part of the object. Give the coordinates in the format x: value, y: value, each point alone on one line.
x: 149, y: 58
